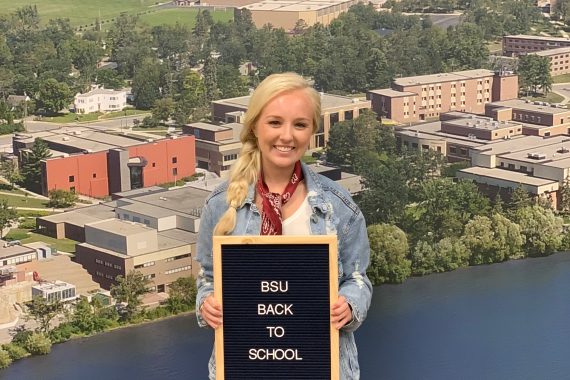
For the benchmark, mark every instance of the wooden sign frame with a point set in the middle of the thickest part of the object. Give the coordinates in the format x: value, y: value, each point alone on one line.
x: 278, y: 241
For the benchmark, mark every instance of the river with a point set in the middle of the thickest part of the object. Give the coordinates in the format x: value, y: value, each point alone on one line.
x: 503, y: 321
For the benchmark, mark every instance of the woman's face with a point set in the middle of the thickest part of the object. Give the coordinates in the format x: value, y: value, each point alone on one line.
x: 284, y: 130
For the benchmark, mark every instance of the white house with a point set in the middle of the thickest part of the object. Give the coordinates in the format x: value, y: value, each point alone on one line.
x: 100, y: 99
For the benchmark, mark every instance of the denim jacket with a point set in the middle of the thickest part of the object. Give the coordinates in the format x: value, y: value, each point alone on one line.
x: 334, y: 212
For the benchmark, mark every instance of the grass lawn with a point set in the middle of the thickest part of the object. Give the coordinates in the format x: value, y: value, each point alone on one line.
x: 183, y: 16
x: 6, y: 188
x: 78, y: 12
x: 127, y: 112
x: 495, y: 46
x: 24, y: 202
x: 65, y: 245
x: 550, y: 98
x: 72, y: 117
x: 564, y: 78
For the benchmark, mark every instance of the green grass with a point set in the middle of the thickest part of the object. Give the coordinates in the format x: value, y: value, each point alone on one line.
x: 24, y: 202
x: 72, y: 117
x: 550, y: 98
x: 127, y: 112
x: 78, y: 12
x: 564, y: 78
x: 6, y: 188
x: 65, y: 245
x: 183, y: 16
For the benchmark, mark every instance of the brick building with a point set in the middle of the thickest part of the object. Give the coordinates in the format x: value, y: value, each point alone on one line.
x: 412, y: 99
x: 515, y: 45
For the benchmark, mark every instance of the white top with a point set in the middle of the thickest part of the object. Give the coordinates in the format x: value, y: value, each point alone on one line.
x: 300, y: 222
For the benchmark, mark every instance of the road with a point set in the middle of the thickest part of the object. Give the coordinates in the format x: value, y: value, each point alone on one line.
x: 562, y: 89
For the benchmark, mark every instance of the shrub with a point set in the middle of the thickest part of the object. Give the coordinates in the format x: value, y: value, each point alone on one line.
x: 62, y: 333
x: 15, y: 351
x: 27, y: 223
x: 20, y: 336
x: 5, y: 359
x: 38, y: 344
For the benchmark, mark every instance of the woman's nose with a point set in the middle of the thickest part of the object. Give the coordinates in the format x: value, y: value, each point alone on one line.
x: 287, y: 132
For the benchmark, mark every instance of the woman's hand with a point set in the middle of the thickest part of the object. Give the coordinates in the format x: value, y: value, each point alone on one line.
x: 341, y: 313
x: 211, y: 312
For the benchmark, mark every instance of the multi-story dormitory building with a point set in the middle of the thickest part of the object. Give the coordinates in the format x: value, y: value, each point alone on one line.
x: 97, y: 164
x: 556, y: 49
x: 412, y: 99
x: 516, y: 143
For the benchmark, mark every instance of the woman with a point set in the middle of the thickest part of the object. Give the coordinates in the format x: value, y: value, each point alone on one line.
x: 270, y: 192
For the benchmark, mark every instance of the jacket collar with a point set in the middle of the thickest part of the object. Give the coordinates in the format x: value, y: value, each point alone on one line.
x: 314, y: 187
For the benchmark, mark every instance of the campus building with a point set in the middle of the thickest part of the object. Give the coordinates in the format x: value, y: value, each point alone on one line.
x: 520, y: 44
x: 100, y: 100
x: 412, y: 99
x: 334, y: 108
x: 559, y: 60
x: 217, y: 146
x: 153, y: 231
x: 97, y: 164
x: 288, y: 13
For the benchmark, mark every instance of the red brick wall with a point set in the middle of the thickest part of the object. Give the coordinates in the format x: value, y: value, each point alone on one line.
x: 89, y: 173
x: 159, y: 156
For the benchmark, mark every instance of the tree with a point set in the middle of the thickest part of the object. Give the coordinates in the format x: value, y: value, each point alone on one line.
x: 31, y: 168
x: 534, y: 73
x: 388, y: 250
x: 9, y: 170
x: 445, y: 255
x: 85, y: 317
x: 163, y: 109
x: 493, y: 239
x: 146, y: 84
x: 542, y: 229
x: 7, y: 216
x: 182, y: 294
x: 38, y: 344
x: 43, y: 312
x: 565, y: 196
x: 109, y: 78
x: 53, y: 95
x: 129, y: 289
x: 60, y: 198
x: 5, y: 359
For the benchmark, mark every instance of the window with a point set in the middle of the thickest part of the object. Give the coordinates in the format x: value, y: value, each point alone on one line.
x: 136, y: 219
x: 174, y: 171
x: 72, y: 189
x: 348, y: 115
x: 144, y: 265
x: 174, y: 160
x: 414, y: 145
x: 452, y: 149
x: 154, y: 164
x: 523, y: 169
x: 71, y: 178
x: 546, y: 134
x: 333, y: 118
x: 511, y: 166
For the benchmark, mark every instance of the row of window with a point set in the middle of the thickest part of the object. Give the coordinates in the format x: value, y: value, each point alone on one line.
x: 176, y: 270
x: 230, y: 157
x: 108, y: 264
x: 144, y: 265
x: 19, y: 259
x: 61, y: 295
x: 136, y: 219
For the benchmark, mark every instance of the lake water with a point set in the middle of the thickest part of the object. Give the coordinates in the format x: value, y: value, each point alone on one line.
x: 504, y: 321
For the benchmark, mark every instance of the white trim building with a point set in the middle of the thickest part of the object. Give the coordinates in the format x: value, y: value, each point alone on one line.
x: 100, y: 100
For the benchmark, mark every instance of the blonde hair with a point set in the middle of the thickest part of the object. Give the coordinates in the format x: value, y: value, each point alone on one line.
x: 246, y: 169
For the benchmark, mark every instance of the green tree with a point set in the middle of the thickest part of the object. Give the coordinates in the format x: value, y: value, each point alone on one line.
x: 130, y: 289
x: 146, y: 84
x: 493, y: 239
x: 182, y: 294
x: 445, y: 255
x: 38, y: 344
x: 85, y: 318
x: 5, y: 359
x: 534, y: 73
x: 7, y: 216
x: 9, y: 170
x: 60, y: 198
x: 43, y: 312
x: 163, y: 109
x: 564, y: 203
x: 109, y: 78
x: 520, y: 199
x: 54, y: 96
x: 31, y: 168
x: 388, y: 250
x: 542, y: 229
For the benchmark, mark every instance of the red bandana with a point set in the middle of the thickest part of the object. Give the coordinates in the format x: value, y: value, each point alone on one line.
x: 272, y: 202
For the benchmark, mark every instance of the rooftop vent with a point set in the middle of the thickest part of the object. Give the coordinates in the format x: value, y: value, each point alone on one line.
x: 536, y: 156
x: 65, y: 138
x: 563, y: 150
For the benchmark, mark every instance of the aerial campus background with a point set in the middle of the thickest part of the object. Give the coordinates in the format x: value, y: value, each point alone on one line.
x: 450, y: 130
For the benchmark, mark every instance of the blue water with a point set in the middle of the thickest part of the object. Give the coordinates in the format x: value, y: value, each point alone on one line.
x: 504, y: 321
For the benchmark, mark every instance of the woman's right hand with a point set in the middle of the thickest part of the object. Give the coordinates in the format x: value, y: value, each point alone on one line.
x: 211, y: 312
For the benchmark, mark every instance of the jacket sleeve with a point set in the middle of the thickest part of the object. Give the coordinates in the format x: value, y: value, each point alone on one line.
x: 354, y: 253
x: 205, y: 281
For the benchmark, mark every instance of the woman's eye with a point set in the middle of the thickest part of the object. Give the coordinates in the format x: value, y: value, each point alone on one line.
x: 301, y: 125
x: 274, y: 122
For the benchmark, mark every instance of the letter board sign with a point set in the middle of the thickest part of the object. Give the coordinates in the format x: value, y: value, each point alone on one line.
x: 276, y: 293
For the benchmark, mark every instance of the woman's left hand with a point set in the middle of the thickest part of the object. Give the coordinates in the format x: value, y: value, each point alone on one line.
x: 341, y: 313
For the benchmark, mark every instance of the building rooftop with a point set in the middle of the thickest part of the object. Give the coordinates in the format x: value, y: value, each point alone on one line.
x: 100, y: 91
x: 327, y: 101
x: 209, y: 127
x: 181, y: 201
x: 522, y: 143
x: 139, y: 192
x: 508, y: 175
x: 549, y: 52
x: 538, y: 107
x: 392, y: 93
x: 84, y: 215
x: 541, y: 38
x: 480, y: 122
x: 181, y: 235
x: 443, y: 77
x: 120, y: 227
x: 14, y: 250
